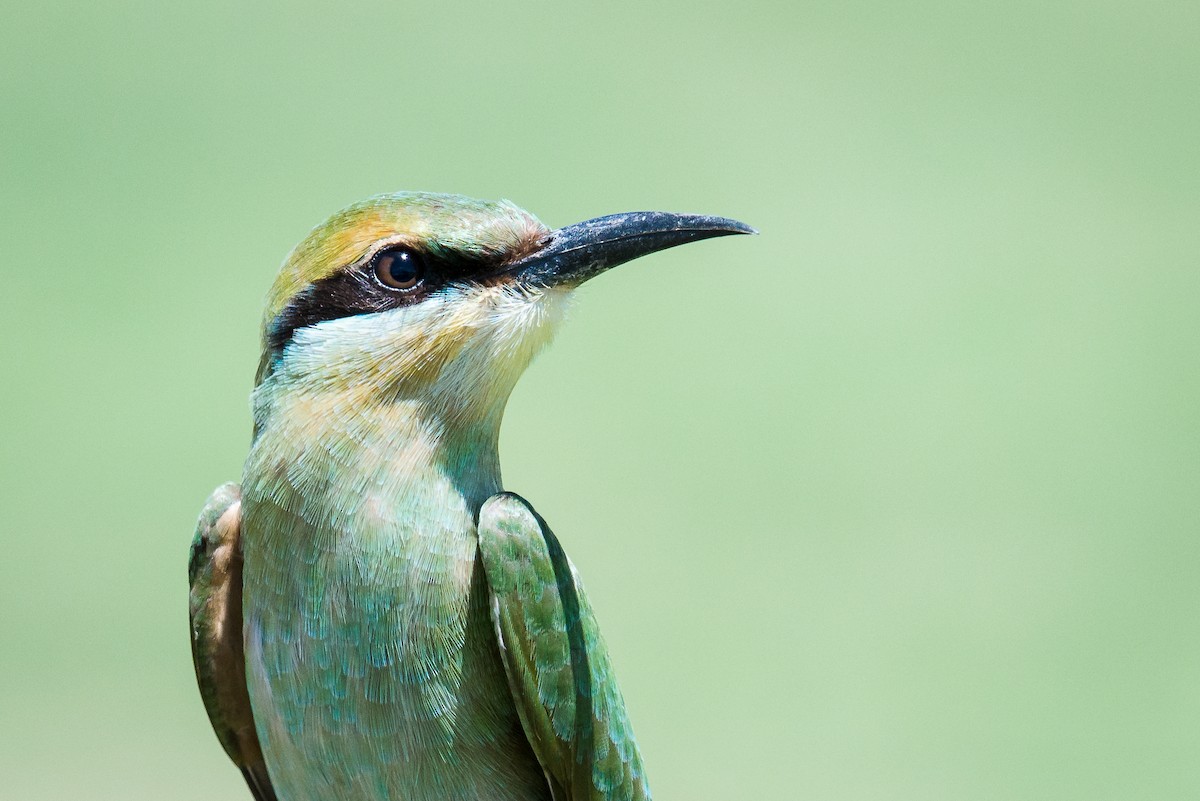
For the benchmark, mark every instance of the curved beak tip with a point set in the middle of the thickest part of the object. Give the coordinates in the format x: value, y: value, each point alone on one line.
x: 715, y: 226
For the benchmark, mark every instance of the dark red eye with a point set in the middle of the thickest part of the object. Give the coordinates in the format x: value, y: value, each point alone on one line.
x: 399, y: 268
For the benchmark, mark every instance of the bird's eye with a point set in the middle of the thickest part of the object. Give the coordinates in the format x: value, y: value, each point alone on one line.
x: 399, y: 268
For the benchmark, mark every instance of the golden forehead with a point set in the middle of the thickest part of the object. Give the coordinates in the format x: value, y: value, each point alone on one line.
x: 433, y: 222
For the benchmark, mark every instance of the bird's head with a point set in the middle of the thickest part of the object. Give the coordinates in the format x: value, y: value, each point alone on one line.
x: 439, y: 299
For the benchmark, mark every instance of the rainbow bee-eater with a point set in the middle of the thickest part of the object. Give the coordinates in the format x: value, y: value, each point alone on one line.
x: 372, y: 616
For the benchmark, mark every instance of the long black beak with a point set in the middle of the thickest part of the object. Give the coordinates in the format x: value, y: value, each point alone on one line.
x: 581, y: 251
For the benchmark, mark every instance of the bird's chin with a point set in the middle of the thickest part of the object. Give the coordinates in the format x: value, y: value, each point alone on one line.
x: 504, y: 331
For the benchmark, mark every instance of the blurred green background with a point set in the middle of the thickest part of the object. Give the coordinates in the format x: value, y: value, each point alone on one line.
x: 899, y: 500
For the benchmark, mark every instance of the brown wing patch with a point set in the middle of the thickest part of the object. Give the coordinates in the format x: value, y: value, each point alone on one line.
x: 215, y: 607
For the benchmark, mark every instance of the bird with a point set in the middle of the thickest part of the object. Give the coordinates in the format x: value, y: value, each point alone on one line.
x: 372, y: 616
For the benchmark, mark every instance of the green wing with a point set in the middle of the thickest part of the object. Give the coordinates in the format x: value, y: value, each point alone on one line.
x: 215, y: 612
x: 557, y: 663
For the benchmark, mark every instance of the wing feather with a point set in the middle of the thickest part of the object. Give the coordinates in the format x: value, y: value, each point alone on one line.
x: 556, y: 661
x: 215, y: 610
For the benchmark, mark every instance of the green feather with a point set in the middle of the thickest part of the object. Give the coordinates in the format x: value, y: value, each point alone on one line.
x: 556, y: 662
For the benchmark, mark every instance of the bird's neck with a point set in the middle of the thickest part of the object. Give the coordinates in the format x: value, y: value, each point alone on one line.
x: 346, y: 440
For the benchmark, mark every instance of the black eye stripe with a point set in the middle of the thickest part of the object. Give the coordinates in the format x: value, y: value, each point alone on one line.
x: 343, y: 294
x: 357, y: 290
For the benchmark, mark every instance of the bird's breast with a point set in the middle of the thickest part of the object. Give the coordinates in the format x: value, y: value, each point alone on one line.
x: 372, y: 664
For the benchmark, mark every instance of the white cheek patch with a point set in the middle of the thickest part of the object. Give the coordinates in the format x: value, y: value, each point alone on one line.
x: 510, y: 327
x: 498, y: 331
x: 518, y: 324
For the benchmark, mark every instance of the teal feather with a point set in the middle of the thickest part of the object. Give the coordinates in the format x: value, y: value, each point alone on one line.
x: 555, y: 659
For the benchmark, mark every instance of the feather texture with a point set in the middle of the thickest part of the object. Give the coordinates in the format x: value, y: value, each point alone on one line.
x: 215, y: 612
x: 557, y: 664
